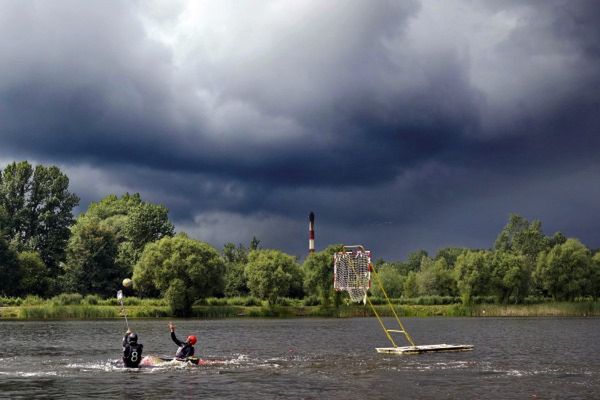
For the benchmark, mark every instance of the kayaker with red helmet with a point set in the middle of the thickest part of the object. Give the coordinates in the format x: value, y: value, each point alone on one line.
x: 186, y: 349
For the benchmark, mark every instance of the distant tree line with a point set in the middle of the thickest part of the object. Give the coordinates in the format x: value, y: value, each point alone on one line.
x: 523, y: 262
x: 45, y: 251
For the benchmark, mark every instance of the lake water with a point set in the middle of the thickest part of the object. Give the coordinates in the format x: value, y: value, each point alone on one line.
x: 524, y: 358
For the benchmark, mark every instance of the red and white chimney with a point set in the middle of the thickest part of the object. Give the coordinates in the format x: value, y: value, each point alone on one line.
x: 311, y: 233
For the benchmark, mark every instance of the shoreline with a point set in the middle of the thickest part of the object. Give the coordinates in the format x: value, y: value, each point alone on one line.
x: 92, y: 312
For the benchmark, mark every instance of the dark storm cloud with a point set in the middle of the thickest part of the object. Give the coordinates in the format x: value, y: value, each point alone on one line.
x: 401, y: 124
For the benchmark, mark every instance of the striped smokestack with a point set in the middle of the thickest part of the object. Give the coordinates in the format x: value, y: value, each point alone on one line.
x: 311, y: 233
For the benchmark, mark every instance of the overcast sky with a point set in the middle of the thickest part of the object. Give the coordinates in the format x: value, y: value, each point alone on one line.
x: 403, y: 125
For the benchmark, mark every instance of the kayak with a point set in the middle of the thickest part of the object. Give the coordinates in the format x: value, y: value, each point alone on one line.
x: 156, y: 361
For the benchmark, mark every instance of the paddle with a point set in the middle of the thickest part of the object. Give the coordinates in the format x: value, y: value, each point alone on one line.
x: 120, y: 297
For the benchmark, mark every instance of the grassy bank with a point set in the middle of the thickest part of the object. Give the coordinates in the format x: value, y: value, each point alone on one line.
x: 155, y: 309
x: 563, y: 309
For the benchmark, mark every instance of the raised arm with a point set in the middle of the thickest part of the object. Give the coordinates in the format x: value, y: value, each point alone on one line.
x: 173, y: 337
x: 125, y: 337
x: 177, y: 341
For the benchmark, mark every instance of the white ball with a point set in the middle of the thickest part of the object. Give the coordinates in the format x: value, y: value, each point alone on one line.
x: 127, y: 282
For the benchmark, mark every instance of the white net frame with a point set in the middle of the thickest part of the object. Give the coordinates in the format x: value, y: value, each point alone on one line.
x: 352, y: 272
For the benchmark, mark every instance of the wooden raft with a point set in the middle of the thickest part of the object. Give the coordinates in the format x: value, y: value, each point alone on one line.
x: 431, y: 348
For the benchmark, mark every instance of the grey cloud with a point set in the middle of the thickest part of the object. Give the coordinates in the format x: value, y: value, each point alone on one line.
x: 395, y: 123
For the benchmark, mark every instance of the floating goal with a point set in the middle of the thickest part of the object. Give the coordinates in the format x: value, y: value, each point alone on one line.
x: 352, y: 271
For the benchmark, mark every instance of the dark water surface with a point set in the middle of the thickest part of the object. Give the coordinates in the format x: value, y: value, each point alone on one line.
x: 525, y: 358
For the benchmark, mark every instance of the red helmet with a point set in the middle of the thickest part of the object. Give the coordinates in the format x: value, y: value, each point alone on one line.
x: 192, y: 339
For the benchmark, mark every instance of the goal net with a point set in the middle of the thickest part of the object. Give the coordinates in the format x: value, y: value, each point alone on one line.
x: 352, y: 272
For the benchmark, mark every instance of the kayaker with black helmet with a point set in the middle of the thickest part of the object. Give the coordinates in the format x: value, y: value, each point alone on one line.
x: 186, y: 349
x: 132, y: 350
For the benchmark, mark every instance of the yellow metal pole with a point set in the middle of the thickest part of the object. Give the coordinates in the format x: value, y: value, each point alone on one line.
x: 381, y: 322
x: 408, y: 337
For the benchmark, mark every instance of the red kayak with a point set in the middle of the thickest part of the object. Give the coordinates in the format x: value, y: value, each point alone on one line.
x: 155, y: 361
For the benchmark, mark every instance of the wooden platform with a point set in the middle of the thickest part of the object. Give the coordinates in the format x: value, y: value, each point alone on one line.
x: 430, y: 348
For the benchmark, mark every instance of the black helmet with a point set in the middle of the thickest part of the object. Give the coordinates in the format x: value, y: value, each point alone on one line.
x: 132, y: 338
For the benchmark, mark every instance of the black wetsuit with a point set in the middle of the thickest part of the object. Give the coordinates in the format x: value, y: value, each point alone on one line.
x: 185, y: 349
x: 132, y: 353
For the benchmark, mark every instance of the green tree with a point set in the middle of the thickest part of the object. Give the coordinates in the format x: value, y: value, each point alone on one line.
x: 235, y: 262
x: 115, y: 207
x: 450, y: 254
x: 4, y: 221
x: 15, y: 186
x: 236, y: 283
x: 472, y: 274
x: 133, y: 222
x: 557, y: 238
x: 402, y: 268
x: 10, y: 274
x: 564, y: 271
x: 235, y: 254
x: 113, y: 213
x: 522, y: 236
x: 271, y: 274
x: 178, y: 298
x: 391, y: 280
x: 254, y: 243
x: 146, y: 223
x: 425, y: 278
x: 509, y: 276
x: 39, y: 208
x: 90, y: 266
x: 318, y: 275
x: 185, y: 269
x: 34, y: 274
x: 435, y: 278
x: 413, y: 262
x: 411, y: 288
x: 595, y: 276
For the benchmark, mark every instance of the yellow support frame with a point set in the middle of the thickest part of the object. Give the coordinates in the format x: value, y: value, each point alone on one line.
x: 389, y: 303
x: 387, y: 331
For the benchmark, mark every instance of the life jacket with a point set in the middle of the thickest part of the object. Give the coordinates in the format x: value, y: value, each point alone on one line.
x: 185, y: 351
x: 132, y: 355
